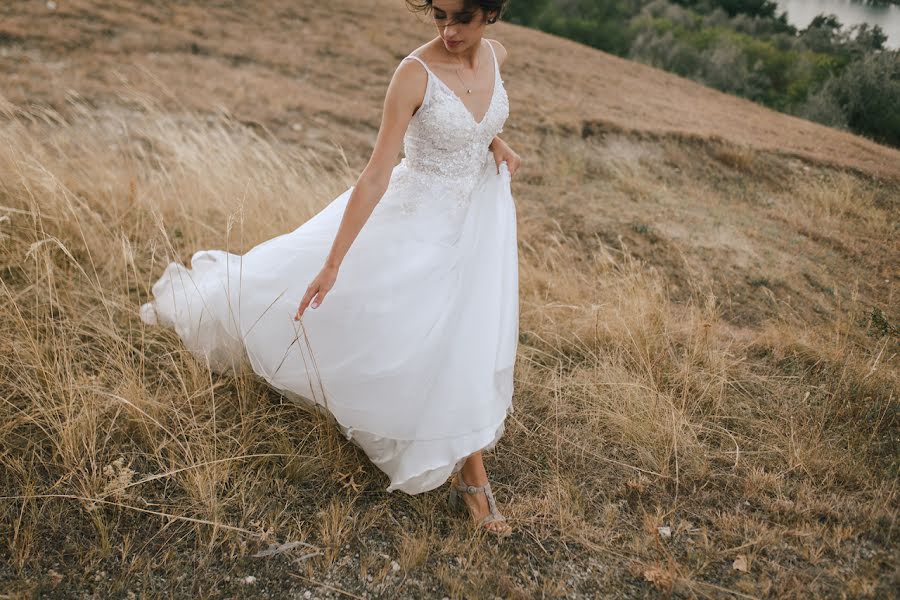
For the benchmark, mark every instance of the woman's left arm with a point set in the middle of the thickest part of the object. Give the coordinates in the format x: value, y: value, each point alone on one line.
x: 502, y: 152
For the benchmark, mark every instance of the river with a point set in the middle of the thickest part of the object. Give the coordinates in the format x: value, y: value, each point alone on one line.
x: 849, y: 12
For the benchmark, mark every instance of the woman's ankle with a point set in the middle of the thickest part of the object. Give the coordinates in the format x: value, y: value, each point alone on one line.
x: 472, y: 479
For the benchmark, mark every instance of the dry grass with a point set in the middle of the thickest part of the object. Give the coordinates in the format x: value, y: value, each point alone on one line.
x: 127, y: 466
x: 706, y: 389
x: 316, y: 73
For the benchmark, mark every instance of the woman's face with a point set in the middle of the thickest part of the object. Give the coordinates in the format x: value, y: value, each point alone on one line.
x: 458, y: 28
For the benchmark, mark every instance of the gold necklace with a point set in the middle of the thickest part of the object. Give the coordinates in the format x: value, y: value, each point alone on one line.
x: 468, y: 89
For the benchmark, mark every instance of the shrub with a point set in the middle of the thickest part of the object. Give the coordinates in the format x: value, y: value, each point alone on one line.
x: 866, y: 92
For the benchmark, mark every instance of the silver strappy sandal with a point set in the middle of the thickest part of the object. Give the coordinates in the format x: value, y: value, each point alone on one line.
x: 457, y: 503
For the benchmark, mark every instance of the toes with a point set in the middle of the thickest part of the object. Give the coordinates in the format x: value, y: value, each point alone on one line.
x: 496, y: 526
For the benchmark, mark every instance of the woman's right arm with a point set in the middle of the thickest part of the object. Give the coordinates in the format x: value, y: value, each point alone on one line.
x: 404, y: 94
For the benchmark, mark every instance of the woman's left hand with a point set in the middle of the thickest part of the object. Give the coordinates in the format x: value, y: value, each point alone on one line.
x: 502, y: 152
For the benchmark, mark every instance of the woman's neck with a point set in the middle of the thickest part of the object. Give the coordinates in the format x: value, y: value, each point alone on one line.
x: 467, y: 58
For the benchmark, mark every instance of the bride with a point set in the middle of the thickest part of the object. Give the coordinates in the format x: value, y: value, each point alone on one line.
x: 411, y: 341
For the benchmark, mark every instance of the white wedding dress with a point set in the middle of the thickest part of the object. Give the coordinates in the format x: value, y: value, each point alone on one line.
x: 412, y: 350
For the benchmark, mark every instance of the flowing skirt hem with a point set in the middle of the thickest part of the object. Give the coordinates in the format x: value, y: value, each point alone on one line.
x: 388, y: 454
x: 436, y: 474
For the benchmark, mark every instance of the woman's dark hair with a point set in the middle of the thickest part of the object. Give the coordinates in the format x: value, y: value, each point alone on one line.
x: 488, y: 6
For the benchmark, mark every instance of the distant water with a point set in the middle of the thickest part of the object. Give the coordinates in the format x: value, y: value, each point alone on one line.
x: 849, y: 12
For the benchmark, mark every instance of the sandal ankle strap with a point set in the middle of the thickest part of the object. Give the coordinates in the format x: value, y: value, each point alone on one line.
x: 486, y: 488
x: 471, y: 489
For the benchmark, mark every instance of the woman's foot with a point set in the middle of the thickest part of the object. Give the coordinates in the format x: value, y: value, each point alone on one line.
x: 478, y: 505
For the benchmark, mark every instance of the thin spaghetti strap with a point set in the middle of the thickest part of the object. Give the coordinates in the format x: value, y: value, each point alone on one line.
x: 428, y: 74
x: 420, y: 61
x: 494, y: 54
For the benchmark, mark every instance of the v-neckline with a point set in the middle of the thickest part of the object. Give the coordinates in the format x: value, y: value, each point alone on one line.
x: 460, y: 100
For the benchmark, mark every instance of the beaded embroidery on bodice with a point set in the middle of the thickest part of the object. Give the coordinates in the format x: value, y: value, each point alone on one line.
x: 444, y: 145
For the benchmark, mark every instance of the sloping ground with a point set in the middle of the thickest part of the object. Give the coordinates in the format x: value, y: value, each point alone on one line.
x: 276, y: 66
x: 707, y: 376
x: 274, y: 62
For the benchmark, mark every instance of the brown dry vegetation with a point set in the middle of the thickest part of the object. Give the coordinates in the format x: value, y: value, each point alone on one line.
x: 709, y: 325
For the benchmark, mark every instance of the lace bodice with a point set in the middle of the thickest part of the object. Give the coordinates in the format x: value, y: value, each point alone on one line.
x: 444, y: 145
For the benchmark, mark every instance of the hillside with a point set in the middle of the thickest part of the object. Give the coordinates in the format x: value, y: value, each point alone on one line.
x: 277, y: 65
x: 707, y: 387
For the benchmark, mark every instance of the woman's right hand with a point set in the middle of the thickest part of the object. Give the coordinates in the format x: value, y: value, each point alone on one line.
x: 317, y: 290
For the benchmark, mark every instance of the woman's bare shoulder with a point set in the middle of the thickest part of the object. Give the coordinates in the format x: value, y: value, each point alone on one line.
x: 500, y: 50
x: 408, y: 85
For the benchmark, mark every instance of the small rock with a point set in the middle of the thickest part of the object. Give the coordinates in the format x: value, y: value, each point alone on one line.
x: 249, y: 580
x: 665, y: 532
x: 740, y: 563
x: 395, y: 566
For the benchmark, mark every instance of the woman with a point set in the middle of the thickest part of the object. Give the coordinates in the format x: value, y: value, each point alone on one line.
x: 413, y: 351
